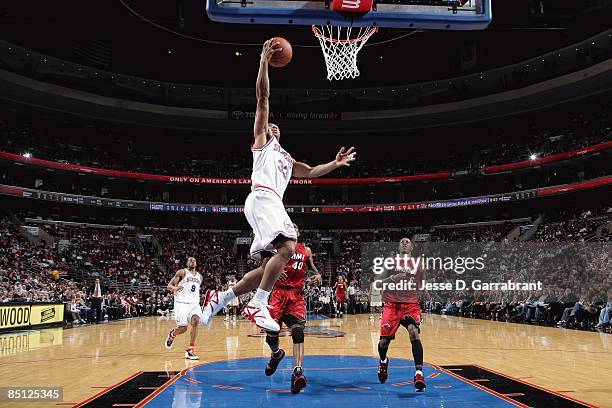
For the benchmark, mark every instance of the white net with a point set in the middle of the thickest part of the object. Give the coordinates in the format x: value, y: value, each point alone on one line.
x: 340, y: 48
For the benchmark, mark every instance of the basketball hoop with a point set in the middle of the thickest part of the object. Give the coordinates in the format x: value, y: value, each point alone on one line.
x: 340, y: 47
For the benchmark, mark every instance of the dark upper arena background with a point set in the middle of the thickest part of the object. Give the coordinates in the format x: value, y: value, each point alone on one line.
x: 107, y: 35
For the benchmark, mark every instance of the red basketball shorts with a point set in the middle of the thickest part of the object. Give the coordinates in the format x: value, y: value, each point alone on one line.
x: 340, y: 299
x: 393, y: 313
x: 287, y: 301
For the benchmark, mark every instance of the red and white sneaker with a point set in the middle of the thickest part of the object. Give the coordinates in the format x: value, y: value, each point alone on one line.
x: 169, y: 340
x: 419, y: 382
x: 190, y: 355
x: 259, y: 314
x: 211, y: 308
x: 383, y: 370
x: 298, y: 380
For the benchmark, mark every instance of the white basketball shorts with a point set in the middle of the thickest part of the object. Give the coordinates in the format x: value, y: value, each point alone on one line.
x: 184, y: 311
x: 266, y: 214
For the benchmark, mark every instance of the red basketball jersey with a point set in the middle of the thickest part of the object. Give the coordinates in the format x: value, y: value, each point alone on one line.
x: 407, y: 273
x: 340, y: 289
x: 296, y: 268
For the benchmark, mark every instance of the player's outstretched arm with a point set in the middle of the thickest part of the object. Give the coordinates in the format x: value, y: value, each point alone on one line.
x: 262, y: 93
x: 315, y: 278
x: 343, y: 158
x: 180, y: 274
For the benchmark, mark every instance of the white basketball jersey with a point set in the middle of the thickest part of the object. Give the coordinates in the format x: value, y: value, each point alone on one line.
x: 375, y: 295
x: 272, y: 167
x: 191, y: 288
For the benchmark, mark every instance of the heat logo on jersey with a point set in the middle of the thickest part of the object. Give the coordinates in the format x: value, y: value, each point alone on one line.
x: 296, y: 267
x: 299, y: 260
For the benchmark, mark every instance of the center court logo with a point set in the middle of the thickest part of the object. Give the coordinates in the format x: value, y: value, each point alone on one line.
x: 310, y: 331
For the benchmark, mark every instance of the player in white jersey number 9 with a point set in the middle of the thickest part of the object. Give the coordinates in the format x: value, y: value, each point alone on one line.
x: 187, y: 311
x: 274, y: 235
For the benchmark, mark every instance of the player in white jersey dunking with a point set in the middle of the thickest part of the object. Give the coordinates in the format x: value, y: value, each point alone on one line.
x: 274, y: 241
x: 187, y: 311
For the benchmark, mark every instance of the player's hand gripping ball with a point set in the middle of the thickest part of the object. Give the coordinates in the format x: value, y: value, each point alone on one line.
x: 278, y: 51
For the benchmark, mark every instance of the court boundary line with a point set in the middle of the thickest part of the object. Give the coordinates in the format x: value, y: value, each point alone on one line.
x: 494, y: 393
x: 159, y: 389
x: 537, y: 386
x: 93, y: 397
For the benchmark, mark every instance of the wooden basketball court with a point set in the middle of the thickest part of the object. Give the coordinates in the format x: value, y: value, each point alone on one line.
x: 96, y: 359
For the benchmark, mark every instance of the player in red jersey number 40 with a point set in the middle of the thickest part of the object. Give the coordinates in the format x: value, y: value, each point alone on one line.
x: 289, y: 307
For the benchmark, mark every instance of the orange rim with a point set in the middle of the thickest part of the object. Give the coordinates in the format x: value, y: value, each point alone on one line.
x: 367, y: 34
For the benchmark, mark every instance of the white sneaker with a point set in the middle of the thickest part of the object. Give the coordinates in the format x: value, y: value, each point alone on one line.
x: 371, y: 317
x: 233, y: 318
x: 190, y: 355
x: 226, y: 318
x: 169, y: 340
x: 259, y: 314
x: 211, y: 308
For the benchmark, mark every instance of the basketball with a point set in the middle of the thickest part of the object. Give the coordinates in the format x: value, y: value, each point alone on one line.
x: 282, y: 58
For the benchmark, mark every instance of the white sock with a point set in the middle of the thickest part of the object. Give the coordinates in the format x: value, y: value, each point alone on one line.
x: 226, y: 297
x: 418, y: 372
x: 384, y: 361
x: 261, y: 296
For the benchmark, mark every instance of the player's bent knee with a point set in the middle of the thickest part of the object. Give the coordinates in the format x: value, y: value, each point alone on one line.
x: 384, y: 342
x: 297, y: 334
x: 412, y: 326
x: 272, y: 338
x: 413, y: 332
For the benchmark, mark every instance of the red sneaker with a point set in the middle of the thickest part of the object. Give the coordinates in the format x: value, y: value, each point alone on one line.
x: 382, y: 371
x: 273, y: 363
x: 298, y: 381
x: 419, y: 382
